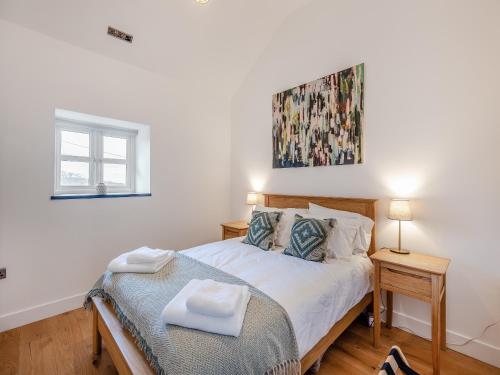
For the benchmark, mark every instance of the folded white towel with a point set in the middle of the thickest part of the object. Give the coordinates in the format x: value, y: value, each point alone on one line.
x: 120, y: 264
x: 147, y: 255
x: 177, y: 313
x: 216, y: 299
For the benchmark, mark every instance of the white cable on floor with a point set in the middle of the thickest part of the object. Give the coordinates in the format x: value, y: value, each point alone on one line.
x: 478, y: 337
x: 466, y: 342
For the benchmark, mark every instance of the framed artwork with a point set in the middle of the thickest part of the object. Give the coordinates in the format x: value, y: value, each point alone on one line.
x: 320, y: 123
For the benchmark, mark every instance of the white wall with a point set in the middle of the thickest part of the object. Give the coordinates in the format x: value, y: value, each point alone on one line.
x: 55, y: 250
x: 432, y: 132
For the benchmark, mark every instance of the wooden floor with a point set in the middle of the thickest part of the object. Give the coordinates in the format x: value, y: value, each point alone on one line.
x: 62, y: 345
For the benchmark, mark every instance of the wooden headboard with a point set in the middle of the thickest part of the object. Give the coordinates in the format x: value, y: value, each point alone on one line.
x: 365, y: 207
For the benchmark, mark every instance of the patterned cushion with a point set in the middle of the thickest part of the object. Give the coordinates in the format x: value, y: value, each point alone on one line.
x: 261, y: 230
x: 308, y: 238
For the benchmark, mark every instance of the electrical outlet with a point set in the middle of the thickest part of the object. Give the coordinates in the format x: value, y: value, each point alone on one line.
x: 3, y: 273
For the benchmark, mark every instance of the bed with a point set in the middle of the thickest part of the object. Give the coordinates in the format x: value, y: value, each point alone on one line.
x: 329, y: 302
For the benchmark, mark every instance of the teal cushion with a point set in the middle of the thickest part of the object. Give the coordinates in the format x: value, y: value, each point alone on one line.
x: 261, y: 230
x: 308, y: 238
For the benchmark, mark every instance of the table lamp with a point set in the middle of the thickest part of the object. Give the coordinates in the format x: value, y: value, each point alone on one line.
x: 400, y: 210
x: 252, y: 199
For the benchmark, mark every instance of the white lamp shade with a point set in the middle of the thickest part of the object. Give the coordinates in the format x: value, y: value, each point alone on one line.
x: 252, y: 198
x: 400, y: 210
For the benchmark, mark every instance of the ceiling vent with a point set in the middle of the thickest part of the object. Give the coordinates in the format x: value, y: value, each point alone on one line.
x: 120, y: 34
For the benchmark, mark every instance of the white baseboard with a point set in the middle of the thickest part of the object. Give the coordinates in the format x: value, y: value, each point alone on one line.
x: 39, y: 312
x: 476, y: 348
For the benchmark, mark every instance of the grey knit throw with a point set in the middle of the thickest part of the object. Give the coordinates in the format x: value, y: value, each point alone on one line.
x: 266, y: 345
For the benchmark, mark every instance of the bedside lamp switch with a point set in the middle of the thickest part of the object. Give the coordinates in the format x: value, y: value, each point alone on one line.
x: 3, y: 273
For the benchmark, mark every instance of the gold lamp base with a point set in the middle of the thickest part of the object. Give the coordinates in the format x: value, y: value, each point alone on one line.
x: 400, y: 251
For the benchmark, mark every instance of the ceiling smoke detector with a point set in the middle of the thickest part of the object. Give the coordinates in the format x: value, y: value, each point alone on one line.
x: 120, y: 34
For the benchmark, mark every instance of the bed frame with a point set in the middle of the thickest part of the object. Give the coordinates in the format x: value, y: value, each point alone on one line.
x: 129, y: 359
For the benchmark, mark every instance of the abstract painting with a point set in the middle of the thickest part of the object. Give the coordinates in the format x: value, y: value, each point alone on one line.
x: 320, y: 123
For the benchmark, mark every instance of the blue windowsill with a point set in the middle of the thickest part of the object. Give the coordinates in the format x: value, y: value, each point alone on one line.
x: 97, y: 196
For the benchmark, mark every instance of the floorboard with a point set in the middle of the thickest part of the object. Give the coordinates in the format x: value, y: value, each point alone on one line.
x: 61, y: 345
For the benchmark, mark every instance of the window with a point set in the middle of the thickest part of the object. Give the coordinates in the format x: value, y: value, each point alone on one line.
x: 88, y: 154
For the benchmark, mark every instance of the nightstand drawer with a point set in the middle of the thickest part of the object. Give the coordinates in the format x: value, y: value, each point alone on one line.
x: 231, y: 233
x: 234, y: 229
x: 413, y: 283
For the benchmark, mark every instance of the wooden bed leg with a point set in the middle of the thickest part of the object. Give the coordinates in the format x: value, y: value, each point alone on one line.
x: 96, y: 338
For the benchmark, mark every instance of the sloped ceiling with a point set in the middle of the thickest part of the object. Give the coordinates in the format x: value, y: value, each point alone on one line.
x: 217, y: 42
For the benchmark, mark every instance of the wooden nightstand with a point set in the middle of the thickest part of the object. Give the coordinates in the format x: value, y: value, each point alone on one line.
x: 234, y: 229
x: 415, y: 275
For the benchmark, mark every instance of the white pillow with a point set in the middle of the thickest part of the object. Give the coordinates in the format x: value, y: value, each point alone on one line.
x: 341, y: 239
x: 284, y: 228
x: 364, y: 234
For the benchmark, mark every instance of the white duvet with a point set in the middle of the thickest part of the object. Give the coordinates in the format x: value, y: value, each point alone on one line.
x: 315, y: 295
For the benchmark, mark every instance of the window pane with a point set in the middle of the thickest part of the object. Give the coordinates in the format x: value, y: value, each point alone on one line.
x: 74, y: 144
x: 115, y: 148
x: 115, y: 174
x: 74, y: 173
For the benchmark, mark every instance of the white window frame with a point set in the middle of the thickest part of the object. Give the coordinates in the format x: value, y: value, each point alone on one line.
x: 95, y: 159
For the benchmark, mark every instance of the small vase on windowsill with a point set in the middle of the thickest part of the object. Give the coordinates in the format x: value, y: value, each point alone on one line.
x: 101, y: 189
